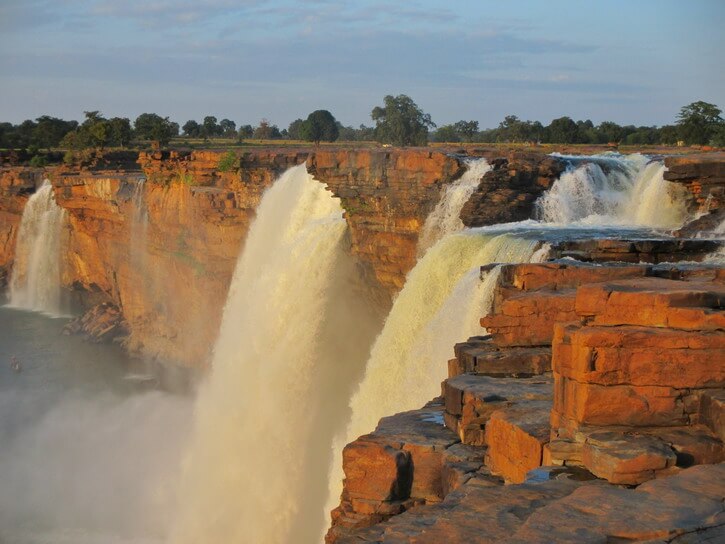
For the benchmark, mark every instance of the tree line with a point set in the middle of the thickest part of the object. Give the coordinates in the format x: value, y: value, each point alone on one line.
x: 398, y: 121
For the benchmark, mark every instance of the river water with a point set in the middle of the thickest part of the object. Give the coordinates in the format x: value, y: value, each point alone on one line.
x: 88, y: 451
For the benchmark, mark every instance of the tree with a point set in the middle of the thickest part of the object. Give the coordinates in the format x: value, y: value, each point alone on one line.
x: 150, y: 126
x: 446, y: 133
x: 265, y: 131
x: 227, y: 128
x: 319, y: 126
x: 49, y: 131
x: 209, y: 126
x: 119, y: 131
x: 699, y: 122
x: 466, y: 129
x: 563, y: 131
x: 245, y: 131
x: 192, y: 129
x: 401, y: 122
x: 293, y: 131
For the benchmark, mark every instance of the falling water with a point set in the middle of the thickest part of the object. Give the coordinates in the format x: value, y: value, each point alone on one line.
x: 139, y: 225
x: 632, y: 192
x: 445, y: 218
x: 439, y: 305
x: 247, y: 474
x: 35, y: 283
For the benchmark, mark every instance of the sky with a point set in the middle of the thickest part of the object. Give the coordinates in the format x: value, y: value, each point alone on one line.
x: 628, y: 61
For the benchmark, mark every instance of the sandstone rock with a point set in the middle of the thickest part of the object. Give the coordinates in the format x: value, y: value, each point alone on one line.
x: 512, y: 186
x: 712, y: 411
x: 635, y: 251
x: 626, y: 458
x: 688, y: 502
x: 470, y: 400
x: 478, y: 355
x: 515, y: 436
x: 102, y: 323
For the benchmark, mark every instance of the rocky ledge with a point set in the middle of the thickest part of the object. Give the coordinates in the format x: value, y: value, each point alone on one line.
x: 596, y: 394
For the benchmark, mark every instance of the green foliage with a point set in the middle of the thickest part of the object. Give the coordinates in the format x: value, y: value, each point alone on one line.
x: 38, y: 161
x: 209, y: 127
x: 228, y: 162
x: 319, y: 126
x: 192, y: 128
x: 184, y: 178
x: 699, y: 122
x: 245, y: 132
x: 401, y: 122
x: 150, y: 126
x: 446, y: 133
x: 293, y: 131
x: 227, y: 128
x: 265, y: 131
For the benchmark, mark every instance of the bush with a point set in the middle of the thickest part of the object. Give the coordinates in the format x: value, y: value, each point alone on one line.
x: 228, y: 162
x: 38, y: 161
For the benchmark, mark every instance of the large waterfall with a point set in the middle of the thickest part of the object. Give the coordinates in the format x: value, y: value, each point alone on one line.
x: 277, y: 392
x: 614, y: 190
x: 35, y: 283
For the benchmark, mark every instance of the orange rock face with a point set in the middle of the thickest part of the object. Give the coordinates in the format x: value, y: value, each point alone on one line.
x: 387, y: 195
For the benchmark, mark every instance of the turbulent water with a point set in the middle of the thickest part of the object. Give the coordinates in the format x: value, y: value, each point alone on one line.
x: 445, y: 217
x: 35, y: 283
x: 614, y: 190
x: 278, y: 367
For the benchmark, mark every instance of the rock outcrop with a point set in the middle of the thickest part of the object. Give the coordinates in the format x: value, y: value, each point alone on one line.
x: 510, y: 189
x: 387, y: 195
x: 591, y: 377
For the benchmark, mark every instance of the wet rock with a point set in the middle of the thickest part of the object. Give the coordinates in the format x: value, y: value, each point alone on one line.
x: 102, y: 323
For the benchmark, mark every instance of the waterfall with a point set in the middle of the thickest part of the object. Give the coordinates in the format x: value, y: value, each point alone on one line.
x: 445, y: 217
x: 269, y: 404
x: 440, y: 304
x: 139, y: 225
x: 632, y: 192
x: 35, y: 282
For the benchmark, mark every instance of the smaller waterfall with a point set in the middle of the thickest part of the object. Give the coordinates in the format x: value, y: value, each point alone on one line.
x: 441, y: 303
x: 35, y: 283
x: 139, y: 224
x: 445, y: 218
x: 632, y: 192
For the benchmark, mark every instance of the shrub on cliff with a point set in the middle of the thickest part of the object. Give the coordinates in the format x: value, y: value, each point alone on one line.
x: 228, y: 162
x: 401, y: 122
x: 320, y: 126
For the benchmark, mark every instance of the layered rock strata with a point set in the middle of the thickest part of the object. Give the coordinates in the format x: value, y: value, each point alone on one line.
x: 636, y: 394
x: 386, y: 196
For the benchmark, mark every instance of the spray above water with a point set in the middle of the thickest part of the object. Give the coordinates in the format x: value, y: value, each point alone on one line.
x: 621, y: 191
x: 35, y: 283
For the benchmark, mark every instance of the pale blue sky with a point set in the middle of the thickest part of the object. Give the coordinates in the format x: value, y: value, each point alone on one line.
x: 634, y: 61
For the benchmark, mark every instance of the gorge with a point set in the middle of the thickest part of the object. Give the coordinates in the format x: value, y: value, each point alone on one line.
x: 304, y: 294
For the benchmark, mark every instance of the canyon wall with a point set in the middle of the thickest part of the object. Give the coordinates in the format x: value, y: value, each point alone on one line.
x: 157, y: 241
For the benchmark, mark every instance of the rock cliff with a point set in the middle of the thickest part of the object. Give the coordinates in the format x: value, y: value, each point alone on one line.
x: 591, y: 377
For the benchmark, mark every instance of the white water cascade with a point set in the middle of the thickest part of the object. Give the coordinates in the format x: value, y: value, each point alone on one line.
x: 445, y: 217
x: 439, y: 305
x: 277, y: 391
x: 633, y: 192
x: 139, y: 225
x: 35, y: 283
